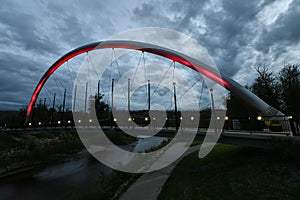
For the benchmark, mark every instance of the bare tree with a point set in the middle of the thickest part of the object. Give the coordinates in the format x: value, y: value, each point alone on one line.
x: 266, y: 87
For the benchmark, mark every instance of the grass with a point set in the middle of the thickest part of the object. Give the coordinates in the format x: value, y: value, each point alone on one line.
x: 46, y: 134
x: 7, y: 142
x: 231, y: 172
x: 194, y: 143
x: 109, y: 186
x: 28, y: 151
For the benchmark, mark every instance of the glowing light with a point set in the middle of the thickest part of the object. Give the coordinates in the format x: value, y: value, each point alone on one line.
x: 90, y: 120
x: 40, y: 123
x: 59, y: 122
x: 226, y: 118
x: 115, y: 119
x: 192, y: 118
x: 69, y: 122
x: 154, y: 118
x: 79, y: 121
x: 181, y: 118
x: 29, y: 124
x: 218, y: 118
x: 146, y: 118
x: 129, y: 119
x: 259, y: 118
x: 290, y: 117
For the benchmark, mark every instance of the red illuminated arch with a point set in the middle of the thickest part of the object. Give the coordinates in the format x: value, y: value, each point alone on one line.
x: 192, y: 63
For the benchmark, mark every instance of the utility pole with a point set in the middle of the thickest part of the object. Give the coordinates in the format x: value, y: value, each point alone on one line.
x: 112, y: 101
x: 44, y: 110
x: 53, y: 109
x: 128, y: 95
x: 63, y: 108
x: 175, y: 106
x: 97, y: 99
x: 98, y: 91
x: 85, y: 99
x: 112, y: 93
x: 213, y: 109
x: 74, y: 99
x: 212, y: 100
x: 148, y: 96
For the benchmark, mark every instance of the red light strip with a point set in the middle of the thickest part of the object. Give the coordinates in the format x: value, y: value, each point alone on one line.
x: 95, y: 46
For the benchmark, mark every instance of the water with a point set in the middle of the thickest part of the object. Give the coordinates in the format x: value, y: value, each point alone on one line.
x: 62, y: 180
x: 148, y: 143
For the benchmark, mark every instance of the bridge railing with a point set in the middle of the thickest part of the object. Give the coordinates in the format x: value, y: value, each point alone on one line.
x: 287, y: 125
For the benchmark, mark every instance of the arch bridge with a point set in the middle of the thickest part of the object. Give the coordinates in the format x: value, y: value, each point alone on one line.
x: 197, y: 65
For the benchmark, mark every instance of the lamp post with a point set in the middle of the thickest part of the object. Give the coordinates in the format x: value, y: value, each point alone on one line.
x: 212, y: 108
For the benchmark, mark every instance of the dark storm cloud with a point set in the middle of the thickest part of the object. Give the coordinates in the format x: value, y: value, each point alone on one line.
x: 33, y: 34
x: 151, y: 14
x: 24, y: 32
x: 18, y: 78
x: 224, y: 29
x: 284, y: 32
x: 227, y: 28
x: 31, y: 39
x: 227, y: 31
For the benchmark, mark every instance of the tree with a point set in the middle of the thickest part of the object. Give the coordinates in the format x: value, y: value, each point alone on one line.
x: 266, y: 87
x: 289, y: 82
x: 97, y: 104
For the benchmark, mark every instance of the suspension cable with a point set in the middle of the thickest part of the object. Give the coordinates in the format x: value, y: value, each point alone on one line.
x: 116, y: 61
x: 145, y: 72
x: 89, y: 78
x: 186, y: 91
x: 138, y: 64
x: 201, y: 93
x: 160, y: 81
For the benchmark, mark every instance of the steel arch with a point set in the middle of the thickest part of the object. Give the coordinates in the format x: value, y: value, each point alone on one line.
x: 188, y: 61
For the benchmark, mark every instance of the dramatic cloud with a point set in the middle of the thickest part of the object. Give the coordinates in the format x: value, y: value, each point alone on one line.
x: 237, y: 34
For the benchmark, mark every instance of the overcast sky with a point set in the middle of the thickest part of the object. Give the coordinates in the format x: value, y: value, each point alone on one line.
x: 237, y: 34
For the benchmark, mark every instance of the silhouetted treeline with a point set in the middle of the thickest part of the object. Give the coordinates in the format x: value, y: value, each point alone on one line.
x: 280, y: 90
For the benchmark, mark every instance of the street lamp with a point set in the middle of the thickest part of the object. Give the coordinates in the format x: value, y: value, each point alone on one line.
x: 259, y: 118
